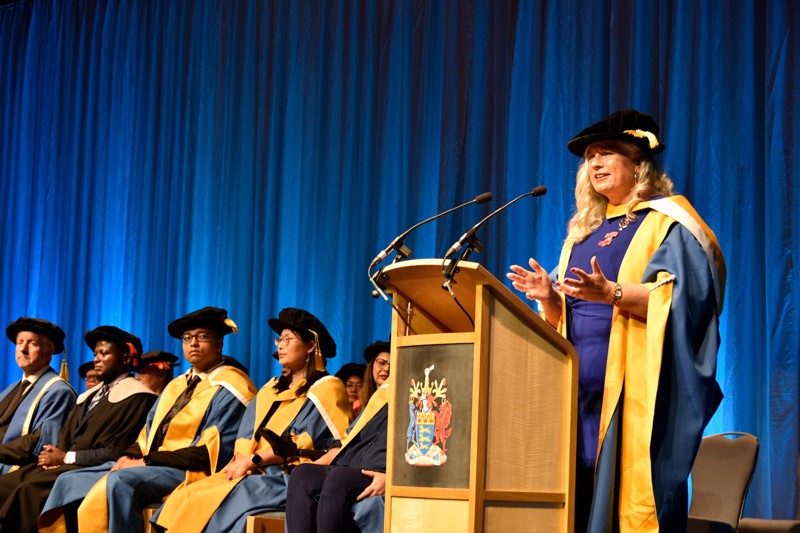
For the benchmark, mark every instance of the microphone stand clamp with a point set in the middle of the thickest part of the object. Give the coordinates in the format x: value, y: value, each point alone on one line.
x: 472, y: 245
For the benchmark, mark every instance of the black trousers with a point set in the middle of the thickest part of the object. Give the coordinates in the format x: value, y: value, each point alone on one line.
x: 320, y: 498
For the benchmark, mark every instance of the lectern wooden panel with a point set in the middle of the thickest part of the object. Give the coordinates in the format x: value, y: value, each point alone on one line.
x: 483, y: 412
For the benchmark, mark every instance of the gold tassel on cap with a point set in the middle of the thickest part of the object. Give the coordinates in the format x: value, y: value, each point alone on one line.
x: 64, y: 371
x: 319, y: 362
x: 231, y: 324
x: 652, y: 140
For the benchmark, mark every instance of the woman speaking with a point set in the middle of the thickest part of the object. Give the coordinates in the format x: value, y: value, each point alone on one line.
x: 638, y: 291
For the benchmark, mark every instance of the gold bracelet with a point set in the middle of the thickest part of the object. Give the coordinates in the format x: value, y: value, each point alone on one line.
x: 617, y: 294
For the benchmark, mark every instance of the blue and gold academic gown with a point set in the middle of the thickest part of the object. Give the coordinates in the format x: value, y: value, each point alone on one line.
x: 47, y: 406
x: 660, y: 388
x: 217, y: 504
x: 200, y: 437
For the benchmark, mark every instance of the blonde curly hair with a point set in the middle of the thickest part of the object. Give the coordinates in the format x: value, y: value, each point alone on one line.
x: 590, y: 206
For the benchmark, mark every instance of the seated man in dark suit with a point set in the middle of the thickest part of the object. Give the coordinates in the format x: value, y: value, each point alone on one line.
x: 102, y: 425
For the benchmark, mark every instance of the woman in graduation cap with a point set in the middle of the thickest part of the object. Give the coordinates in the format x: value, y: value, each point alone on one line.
x: 638, y: 291
x: 335, y: 494
x: 304, y: 405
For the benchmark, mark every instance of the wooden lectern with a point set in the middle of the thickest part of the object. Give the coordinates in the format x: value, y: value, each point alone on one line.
x: 482, y: 420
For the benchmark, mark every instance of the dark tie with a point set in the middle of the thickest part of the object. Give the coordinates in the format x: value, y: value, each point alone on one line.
x: 102, y: 393
x: 19, y: 394
x: 179, y: 404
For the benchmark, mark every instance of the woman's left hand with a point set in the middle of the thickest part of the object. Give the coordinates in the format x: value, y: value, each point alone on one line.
x: 240, y: 466
x: 376, y: 488
x: 592, y: 286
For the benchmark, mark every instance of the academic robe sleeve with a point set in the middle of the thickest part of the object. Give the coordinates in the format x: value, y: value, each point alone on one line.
x: 21, y: 450
x: 688, y: 392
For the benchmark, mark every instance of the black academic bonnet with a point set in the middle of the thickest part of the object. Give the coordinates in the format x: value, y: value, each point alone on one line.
x: 306, y: 325
x: 159, y: 356
x: 371, y: 351
x: 351, y: 369
x: 212, y: 318
x: 40, y: 326
x: 627, y: 125
x: 129, y: 342
x: 84, y: 369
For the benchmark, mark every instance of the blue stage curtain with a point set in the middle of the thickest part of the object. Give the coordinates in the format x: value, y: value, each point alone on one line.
x: 157, y: 157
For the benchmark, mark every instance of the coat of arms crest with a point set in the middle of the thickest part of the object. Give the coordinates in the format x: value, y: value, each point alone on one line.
x: 429, y: 422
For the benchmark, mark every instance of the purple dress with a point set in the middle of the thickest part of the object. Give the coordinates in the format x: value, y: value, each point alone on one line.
x: 590, y: 325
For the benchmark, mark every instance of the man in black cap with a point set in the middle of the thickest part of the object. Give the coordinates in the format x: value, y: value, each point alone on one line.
x: 88, y: 374
x: 156, y: 370
x: 102, y: 425
x: 189, y: 434
x: 41, y: 400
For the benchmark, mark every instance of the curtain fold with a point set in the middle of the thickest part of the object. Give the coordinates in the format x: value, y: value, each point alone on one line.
x: 157, y: 157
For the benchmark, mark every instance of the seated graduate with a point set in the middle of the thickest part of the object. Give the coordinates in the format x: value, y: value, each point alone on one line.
x: 102, y: 425
x: 41, y: 400
x: 305, y: 406
x: 157, y: 370
x: 352, y: 375
x: 189, y: 433
x: 88, y: 374
x: 322, y: 495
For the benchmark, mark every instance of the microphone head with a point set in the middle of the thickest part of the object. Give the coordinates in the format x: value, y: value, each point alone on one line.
x: 483, y: 198
x: 539, y: 190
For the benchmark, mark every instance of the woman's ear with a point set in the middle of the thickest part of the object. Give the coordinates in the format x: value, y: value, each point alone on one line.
x: 311, y: 347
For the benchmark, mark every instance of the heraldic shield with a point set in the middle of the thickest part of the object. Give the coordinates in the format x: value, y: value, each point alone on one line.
x: 429, y: 413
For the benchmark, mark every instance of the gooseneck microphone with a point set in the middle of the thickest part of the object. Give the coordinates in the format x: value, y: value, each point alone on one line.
x: 469, y: 235
x: 402, y: 250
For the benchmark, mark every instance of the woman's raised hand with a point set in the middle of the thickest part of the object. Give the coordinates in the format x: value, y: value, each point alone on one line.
x: 535, y: 283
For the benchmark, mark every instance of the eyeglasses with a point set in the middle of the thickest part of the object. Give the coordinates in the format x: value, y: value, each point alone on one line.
x: 201, y: 337
x: 382, y: 363
x: 285, y: 341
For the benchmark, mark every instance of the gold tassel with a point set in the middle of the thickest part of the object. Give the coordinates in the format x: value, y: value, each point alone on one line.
x: 231, y: 324
x: 319, y: 362
x: 64, y: 371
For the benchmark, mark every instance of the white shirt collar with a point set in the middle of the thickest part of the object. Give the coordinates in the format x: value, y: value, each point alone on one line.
x: 33, y: 378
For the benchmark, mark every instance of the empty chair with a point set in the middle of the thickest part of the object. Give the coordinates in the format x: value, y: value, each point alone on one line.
x: 759, y: 525
x: 720, y: 477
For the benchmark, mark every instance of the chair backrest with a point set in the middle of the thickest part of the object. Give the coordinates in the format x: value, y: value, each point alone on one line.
x: 721, y: 476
